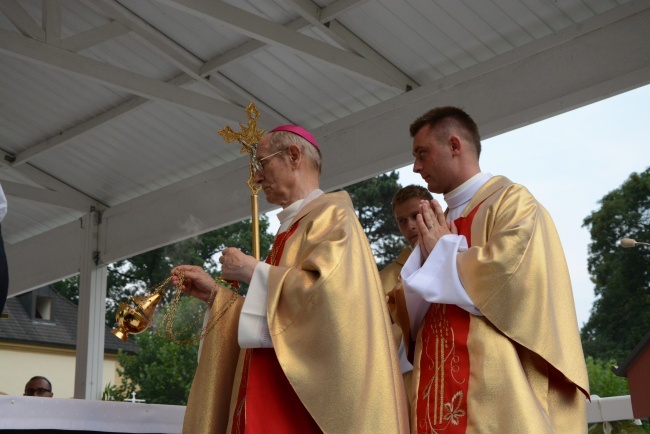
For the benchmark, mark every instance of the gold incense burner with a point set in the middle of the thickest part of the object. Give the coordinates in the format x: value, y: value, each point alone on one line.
x: 138, y: 317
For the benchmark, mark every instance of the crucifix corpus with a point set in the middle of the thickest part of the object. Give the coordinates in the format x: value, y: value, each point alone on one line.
x: 249, y: 137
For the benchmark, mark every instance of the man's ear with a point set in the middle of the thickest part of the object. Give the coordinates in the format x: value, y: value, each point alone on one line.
x: 456, y: 144
x: 294, y: 155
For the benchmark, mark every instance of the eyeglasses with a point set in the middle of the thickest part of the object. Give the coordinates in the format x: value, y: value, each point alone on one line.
x: 257, y: 162
x: 39, y: 392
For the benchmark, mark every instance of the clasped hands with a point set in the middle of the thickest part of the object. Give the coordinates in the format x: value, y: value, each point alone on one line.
x: 235, y: 265
x: 432, y: 226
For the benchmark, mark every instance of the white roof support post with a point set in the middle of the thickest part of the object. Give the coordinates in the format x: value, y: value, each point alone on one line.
x: 92, y: 309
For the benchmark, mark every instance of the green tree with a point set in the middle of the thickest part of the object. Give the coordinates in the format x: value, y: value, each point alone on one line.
x: 68, y: 288
x: 602, y: 380
x: 372, y: 200
x: 621, y: 313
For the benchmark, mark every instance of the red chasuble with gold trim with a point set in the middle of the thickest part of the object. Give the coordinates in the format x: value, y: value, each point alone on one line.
x: 444, y: 363
x: 266, y: 401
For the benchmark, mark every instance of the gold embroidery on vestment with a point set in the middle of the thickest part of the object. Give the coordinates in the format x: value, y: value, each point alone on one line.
x: 444, y: 351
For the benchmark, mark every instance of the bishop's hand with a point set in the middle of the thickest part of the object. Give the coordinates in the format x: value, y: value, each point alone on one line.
x: 196, y: 282
x: 236, y: 265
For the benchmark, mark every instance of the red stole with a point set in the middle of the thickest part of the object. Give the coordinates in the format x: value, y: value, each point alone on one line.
x: 266, y: 402
x: 444, y: 362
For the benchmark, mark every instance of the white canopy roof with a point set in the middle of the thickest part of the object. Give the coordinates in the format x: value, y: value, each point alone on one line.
x: 116, y: 106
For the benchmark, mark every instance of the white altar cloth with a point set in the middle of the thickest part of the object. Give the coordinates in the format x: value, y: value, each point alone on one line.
x: 34, y: 413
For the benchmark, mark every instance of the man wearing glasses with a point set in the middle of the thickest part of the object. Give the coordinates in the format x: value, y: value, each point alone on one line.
x: 39, y: 386
x: 319, y: 352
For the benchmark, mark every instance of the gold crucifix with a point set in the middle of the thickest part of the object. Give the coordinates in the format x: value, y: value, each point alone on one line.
x: 249, y: 137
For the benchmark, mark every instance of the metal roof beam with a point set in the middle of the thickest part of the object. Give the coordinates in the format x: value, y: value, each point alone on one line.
x: 277, y: 35
x: 309, y: 11
x: 65, y: 195
x: 173, y: 52
x: 52, y: 22
x: 37, y: 194
x: 111, y: 76
x: 69, y: 134
x: 179, y: 56
x: 48, y: 181
x: 348, y: 40
x: 21, y: 20
x: 92, y: 37
x: 243, y: 97
x: 122, y: 109
x: 246, y: 49
x: 227, y: 87
x: 336, y: 8
x: 251, y: 47
x: 218, y: 83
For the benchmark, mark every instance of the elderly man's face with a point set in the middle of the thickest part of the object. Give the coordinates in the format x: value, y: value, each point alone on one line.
x: 38, y: 387
x: 276, y: 177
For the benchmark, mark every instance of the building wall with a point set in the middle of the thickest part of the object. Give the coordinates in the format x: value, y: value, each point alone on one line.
x: 20, y: 362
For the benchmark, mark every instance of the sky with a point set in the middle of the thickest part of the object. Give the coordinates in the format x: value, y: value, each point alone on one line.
x: 569, y: 162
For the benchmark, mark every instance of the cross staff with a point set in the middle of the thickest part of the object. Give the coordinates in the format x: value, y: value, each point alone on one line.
x: 249, y: 137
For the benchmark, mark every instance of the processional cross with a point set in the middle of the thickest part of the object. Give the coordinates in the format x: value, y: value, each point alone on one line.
x: 249, y: 137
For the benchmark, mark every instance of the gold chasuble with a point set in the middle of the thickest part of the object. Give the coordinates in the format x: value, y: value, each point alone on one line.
x: 208, y: 406
x: 330, y: 331
x: 329, y: 323
x: 520, y: 367
x: 391, y: 281
x: 390, y: 275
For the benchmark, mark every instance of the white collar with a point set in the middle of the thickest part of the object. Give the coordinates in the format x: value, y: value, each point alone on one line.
x: 286, y: 215
x: 461, y: 195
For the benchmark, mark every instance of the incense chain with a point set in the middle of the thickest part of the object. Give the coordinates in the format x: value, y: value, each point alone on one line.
x: 169, y: 316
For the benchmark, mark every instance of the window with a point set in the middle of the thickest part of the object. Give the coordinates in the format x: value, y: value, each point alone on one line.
x: 43, y: 308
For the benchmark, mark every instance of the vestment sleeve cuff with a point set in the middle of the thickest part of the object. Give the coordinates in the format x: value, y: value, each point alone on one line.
x: 253, y: 324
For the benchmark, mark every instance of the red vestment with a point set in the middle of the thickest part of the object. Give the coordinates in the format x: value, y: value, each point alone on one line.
x: 266, y: 401
x: 444, y: 362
